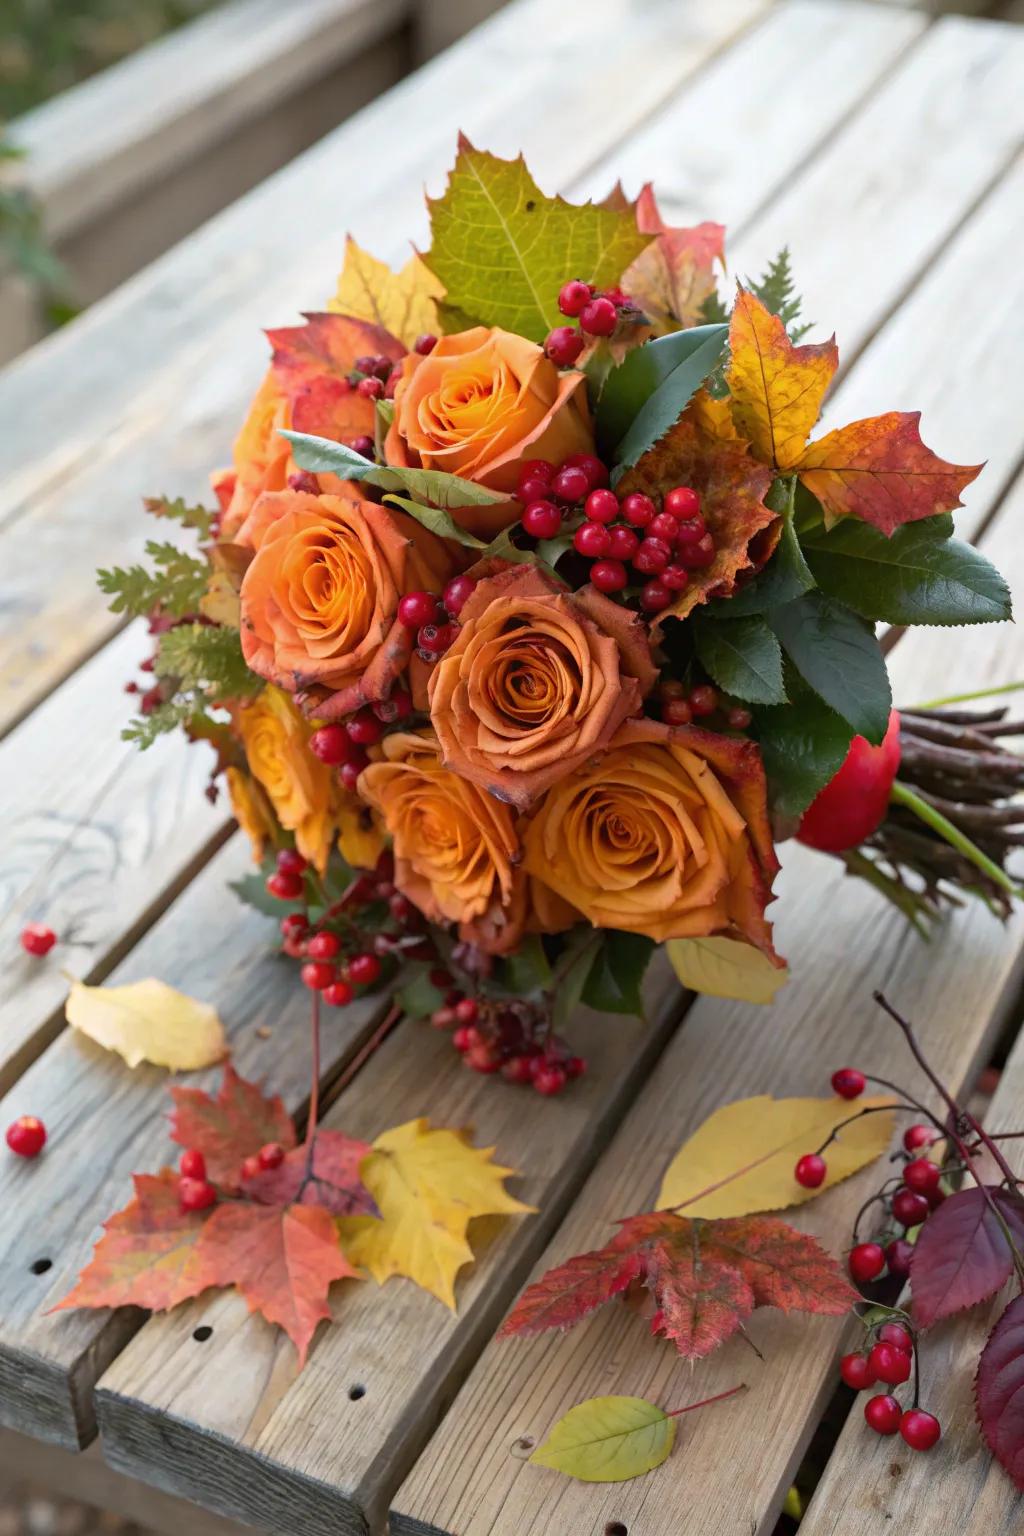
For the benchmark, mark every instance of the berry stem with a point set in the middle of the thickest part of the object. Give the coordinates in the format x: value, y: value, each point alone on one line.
x: 719, y: 1397
x: 874, y: 1109
x: 314, y: 1087
x: 902, y: 794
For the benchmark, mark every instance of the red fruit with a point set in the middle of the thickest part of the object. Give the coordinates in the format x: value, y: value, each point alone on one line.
x: 638, y: 509
x: 898, y: 1336
x: 608, y: 575
x: 323, y: 946
x: 691, y: 530
x: 363, y: 728
x: 271, y: 1155
x: 367, y: 363
x: 563, y: 346
x: 574, y: 296
x: 397, y: 706
x: 866, y: 1262
x: 464, y: 1038
x: 542, y: 520
x: 654, y: 597
x: 664, y: 526
x: 890, y: 1364
x: 883, y: 1413
x: 294, y: 946
x: 364, y: 446
x: 26, y: 1136
x: 595, y: 470
x: 856, y: 1372
x: 457, y: 593
x: 331, y: 744
x: 739, y: 719
x: 811, y: 1170
x: 482, y: 1059
x: 370, y: 389
x: 517, y: 1069
x: 917, y: 1136
x: 696, y: 556
x: 434, y: 639
x: 291, y: 862
x: 898, y: 1255
x: 854, y: 802
x: 652, y: 557
x: 624, y: 543
x: 602, y: 506
x: 921, y: 1176
x: 574, y: 1066
x: 599, y: 317
x: 304, y: 481
x: 349, y: 773
x: 317, y: 974
x: 424, y: 344
x: 549, y: 1080
x: 591, y: 539
x: 284, y: 886
x: 251, y: 1168
x: 467, y: 1010
x: 338, y: 995
x: 909, y: 1208
x: 703, y: 699
x: 919, y: 1429
x: 676, y: 712
x: 37, y: 939
x: 196, y: 1194
x: 364, y: 969
x: 192, y: 1164
x: 294, y: 925
x: 571, y: 484
x: 536, y: 469
x: 682, y: 501
x: 848, y: 1083
x: 443, y: 1018
x: 416, y: 609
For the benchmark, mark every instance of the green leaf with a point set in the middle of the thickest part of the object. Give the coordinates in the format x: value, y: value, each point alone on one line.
x: 777, y: 293
x: 436, y: 519
x: 785, y: 577
x: 608, y: 1440
x: 720, y: 967
x: 207, y: 658
x: 629, y: 386
x: 322, y: 456
x: 526, y: 971
x: 919, y: 576
x: 743, y: 657
x: 837, y: 654
x: 614, y: 980
x: 574, y: 968
x: 803, y: 745
x: 416, y: 994
x: 176, y: 585
x: 169, y: 716
x: 199, y: 518
x: 665, y: 406
x: 502, y: 249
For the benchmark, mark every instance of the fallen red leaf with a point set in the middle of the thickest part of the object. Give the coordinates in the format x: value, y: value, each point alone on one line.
x: 999, y: 1391
x: 230, y: 1127
x: 961, y: 1256
x: 332, y: 1181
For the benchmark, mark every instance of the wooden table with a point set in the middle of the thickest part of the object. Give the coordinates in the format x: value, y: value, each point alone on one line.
x: 884, y: 149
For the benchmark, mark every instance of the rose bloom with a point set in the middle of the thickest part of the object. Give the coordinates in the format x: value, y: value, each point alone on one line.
x: 665, y: 834
x: 319, y: 601
x: 478, y: 405
x: 538, y: 679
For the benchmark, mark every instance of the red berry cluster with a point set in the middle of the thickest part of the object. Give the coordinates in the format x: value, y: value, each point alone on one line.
x: 376, y: 378
x: 598, y: 315
x: 434, y: 617
x: 890, y: 1360
x: 510, y: 1038
x: 26, y: 1136
x: 679, y: 705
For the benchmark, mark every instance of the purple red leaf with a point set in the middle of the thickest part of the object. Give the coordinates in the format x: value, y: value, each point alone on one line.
x: 999, y: 1391
x: 961, y: 1256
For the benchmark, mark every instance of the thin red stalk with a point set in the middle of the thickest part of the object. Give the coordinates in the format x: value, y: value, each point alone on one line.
x: 314, y: 1088
x: 719, y: 1397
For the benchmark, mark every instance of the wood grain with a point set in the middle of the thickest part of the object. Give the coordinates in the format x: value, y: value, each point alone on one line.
x: 229, y: 1423
x: 106, y: 1122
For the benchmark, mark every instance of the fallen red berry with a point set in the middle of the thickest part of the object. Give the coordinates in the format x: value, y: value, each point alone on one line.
x: 909, y: 1208
x: 196, y: 1194
x: 26, y: 1136
x: 922, y: 1176
x: 856, y: 1372
x: 270, y: 1155
x: 37, y: 939
x: 890, y: 1364
x: 574, y: 1066
x: 848, y: 1083
x: 811, y: 1170
x: 883, y: 1413
x: 919, y: 1429
x: 192, y: 1164
x: 866, y: 1262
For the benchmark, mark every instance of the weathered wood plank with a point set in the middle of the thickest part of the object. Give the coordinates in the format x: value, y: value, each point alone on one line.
x: 307, y: 1450
x: 842, y: 941
x: 105, y: 1122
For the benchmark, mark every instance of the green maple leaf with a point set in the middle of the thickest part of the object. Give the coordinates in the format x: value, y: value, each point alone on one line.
x: 503, y: 249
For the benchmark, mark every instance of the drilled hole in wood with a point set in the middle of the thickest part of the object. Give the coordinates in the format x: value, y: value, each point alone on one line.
x: 356, y: 1392
x: 202, y: 1333
x: 41, y: 1266
x: 616, y: 1528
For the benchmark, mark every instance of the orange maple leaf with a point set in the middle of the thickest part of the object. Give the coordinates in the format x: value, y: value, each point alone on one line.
x: 311, y: 364
x: 230, y: 1127
x: 331, y: 1179
x: 673, y: 277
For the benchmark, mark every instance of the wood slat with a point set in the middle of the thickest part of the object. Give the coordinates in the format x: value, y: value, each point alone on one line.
x: 730, y: 1471
x: 105, y: 1122
x: 286, y: 1451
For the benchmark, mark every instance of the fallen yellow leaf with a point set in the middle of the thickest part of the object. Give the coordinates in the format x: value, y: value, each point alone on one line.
x: 742, y: 1158
x: 719, y: 967
x: 608, y: 1440
x: 428, y: 1185
x: 404, y: 303
x: 148, y: 1021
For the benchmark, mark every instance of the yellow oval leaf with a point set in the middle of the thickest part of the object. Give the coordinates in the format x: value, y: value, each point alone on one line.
x: 148, y: 1021
x: 608, y: 1440
x: 726, y: 968
x: 742, y: 1158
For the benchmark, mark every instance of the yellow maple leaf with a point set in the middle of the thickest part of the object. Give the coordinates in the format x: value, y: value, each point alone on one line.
x: 742, y: 1158
x: 148, y: 1021
x: 428, y: 1185
x: 404, y: 303
x: 776, y: 389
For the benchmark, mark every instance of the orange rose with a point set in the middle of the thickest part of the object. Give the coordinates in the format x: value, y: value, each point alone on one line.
x: 319, y: 601
x: 477, y: 406
x: 300, y: 788
x: 537, y: 680
x: 251, y: 810
x: 665, y: 834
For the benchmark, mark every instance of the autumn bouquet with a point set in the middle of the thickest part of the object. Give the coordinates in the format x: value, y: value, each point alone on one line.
x: 532, y: 615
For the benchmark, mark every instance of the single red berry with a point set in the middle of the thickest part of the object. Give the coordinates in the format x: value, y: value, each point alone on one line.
x: 697, y: 556
x: 664, y: 526
x: 443, y: 1018
x: 424, y: 344
x: 898, y: 1255
x: 317, y: 974
x: 866, y: 1262
x: 271, y: 1155
x: 574, y: 1066
x: 457, y: 593
x: 739, y: 719
x: 652, y: 557
x: 294, y: 946
x: 595, y: 470
x: 856, y: 1372
x: 608, y: 575
x: 434, y: 639
x: 349, y: 773
x: 284, y: 886
x: 921, y: 1175
x: 599, y: 317
x: 192, y: 1164
x: 37, y: 939
x: 295, y: 924
x: 534, y: 469
x: 890, y: 1364
x: 917, y: 1136
x: 370, y: 389
x: 480, y: 1058
x: 654, y: 597
x: 251, y: 1167
x: 416, y: 609
x: 677, y: 712
x: 602, y: 506
x: 467, y: 1010
x: 400, y: 907
x: 848, y: 1083
x: 26, y: 1136
x: 691, y: 530
x: 366, y: 363
x: 290, y: 861
x: 331, y: 744
x: 883, y: 1413
x: 304, y: 481
x: 338, y: 995
x: 571, y: 484
x: 919, y: 1429
x: 638, y: 509
x: 898, y: 1336
x: 811, y: 1170
x: 542, y: 520
x: 624, y: 543
x: 196, y: 1194
x: 363, y: 969
x: 549, y: 1080
x: 703, y: 699
x: 683, y: 502
x: 397, y: 706
x: 517, y: 1070
x: 591, y: 539
x: 563, y: 346
x: 323, y: 946
x: 364, y: 446
x: 675, y: 577
x: 363, y: 728
x: 574, y: 296
x: 909, y: 1208
x: 464, y: 1038
x: 935, y: 1197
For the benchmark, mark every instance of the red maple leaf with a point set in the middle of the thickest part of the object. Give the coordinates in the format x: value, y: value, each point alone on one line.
x: 331, y: 1180
x: 999, y: 1391
x: 671, y: 279
x: 311, y: 363
x: 961, y: 1256
x: 230, y: 1127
